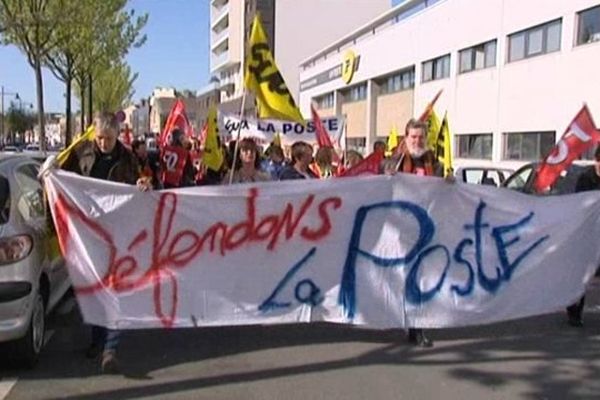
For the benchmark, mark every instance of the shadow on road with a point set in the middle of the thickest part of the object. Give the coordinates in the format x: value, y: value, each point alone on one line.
x: 545, y: 341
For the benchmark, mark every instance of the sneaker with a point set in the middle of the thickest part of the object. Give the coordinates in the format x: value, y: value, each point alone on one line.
x: 110, y: 364
x: 93, y: 351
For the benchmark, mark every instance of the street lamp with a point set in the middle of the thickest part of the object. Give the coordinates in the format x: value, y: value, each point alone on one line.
x: 2, y: 94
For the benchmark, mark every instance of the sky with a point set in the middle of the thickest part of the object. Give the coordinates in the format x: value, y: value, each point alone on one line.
x: 176, y: 54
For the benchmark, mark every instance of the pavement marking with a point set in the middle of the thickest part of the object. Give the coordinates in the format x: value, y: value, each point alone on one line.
x: 6, y: 384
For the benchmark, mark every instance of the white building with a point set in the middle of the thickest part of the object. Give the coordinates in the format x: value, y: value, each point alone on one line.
x: 514, y: 73
x: 137, y: 117
x: 295, y: 29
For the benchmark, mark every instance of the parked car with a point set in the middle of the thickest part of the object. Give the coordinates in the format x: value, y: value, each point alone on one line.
x: 522, y: 180
x: 33, y: 277
x: 482, y: 175
x: 11, y: 150
x: 32, y: 148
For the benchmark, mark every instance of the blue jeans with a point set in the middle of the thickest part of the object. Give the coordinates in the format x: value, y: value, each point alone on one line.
x: 106, y: 338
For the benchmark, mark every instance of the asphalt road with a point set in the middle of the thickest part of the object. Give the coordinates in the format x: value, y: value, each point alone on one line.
x: 535, y: 358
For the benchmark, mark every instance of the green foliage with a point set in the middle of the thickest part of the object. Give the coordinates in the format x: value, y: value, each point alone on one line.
x: 113, y: 87
x: 17, y: 120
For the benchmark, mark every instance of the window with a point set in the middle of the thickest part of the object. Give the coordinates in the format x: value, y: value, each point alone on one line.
x: 438, y: 68
x: 358, y: 144
x: 527, y: 146
x: 532, y: 42
x: 475, y: 146
x: 588, y: 27
x: 31, y: 203
x: 478, y: 57
x: 356, y: 93
x: 325, y: 101
x: 401, y: 81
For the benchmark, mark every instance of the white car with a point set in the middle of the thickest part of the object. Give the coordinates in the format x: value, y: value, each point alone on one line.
x: 33, y: 277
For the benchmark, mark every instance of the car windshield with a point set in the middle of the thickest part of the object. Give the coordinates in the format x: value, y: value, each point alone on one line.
x: 4, y: 200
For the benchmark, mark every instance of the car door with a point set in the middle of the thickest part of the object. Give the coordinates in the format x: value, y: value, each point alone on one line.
x: 32, y: 207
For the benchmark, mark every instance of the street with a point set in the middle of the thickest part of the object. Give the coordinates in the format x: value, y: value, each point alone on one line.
x: 535, y: 358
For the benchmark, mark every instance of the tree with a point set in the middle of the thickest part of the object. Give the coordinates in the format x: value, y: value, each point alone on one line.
x: 91, y: 38
x: 114, y: 87
x: 107, y: 37
x: 18, y: 121
x: 29, y: 26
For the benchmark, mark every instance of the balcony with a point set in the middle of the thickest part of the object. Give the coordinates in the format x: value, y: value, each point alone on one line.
x: 218, y: 16
x: 217, y: 61
x: 218, y: 40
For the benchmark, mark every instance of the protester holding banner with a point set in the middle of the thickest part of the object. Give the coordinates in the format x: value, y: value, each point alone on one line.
x: 247, y: 166
x: 301, y: 159
x: 107, y: 159
x: 177, y: 167
x: 587, y: 181
x: 417, y: 159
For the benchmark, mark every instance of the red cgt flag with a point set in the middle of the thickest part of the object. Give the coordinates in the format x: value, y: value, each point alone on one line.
x: 368, y: 166
x: 579, y: 137
x: 176, y: 119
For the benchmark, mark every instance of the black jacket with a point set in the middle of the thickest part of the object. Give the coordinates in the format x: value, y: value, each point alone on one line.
x: 588, y: 180
x: 82, y: 159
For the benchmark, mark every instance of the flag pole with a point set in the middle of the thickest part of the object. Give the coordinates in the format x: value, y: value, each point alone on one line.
x: 237, y: 139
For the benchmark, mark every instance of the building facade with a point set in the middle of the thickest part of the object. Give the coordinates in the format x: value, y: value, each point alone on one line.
x: 514, y: 73
x: 295, y: 30
x: 196, y: 106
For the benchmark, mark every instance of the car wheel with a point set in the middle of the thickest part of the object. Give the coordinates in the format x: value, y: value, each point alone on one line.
x: 29, y: 347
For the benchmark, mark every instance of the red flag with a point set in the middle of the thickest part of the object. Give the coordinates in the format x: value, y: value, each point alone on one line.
x: 429, y: 107
x: 204, y: 133
x: 368, y: 166
x: 176, y: 119
x: 579, y: 137
x: 323, y: 139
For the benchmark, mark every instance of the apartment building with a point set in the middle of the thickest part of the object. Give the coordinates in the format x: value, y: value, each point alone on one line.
x: 295, y: 30
x: 513, y: 73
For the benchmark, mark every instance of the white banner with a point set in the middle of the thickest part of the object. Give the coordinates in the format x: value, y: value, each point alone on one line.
x: 264, y: 130
x: 402, y: 251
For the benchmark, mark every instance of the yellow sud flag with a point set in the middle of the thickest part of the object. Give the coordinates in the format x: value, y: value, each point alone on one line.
x: 392, y: 141
x: 433, y: 130
x: 443, y: 149
x: 89, y: 134
x: 212, y: 157
x: 262, y: 76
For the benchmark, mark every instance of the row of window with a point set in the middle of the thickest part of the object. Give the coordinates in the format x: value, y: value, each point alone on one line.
x: 531, y: 42
x: 396, y: 82
x: 519, y: 146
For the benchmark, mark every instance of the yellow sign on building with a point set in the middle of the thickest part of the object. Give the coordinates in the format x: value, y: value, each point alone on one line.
x: 348, y: 66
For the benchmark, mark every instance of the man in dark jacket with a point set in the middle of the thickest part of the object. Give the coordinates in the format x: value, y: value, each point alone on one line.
x: 418, y: 160
x: 588, y: 180
x: 301, y: 159
x: 107, y: 159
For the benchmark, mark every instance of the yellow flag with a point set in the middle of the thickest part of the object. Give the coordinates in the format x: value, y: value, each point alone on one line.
x: 433, y: 123
x: 277, y: 139
x: 212, y: 157
x: 89, y: 134
x: 443, y: 149
x: 392, y: 141
x: 262, y: 76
